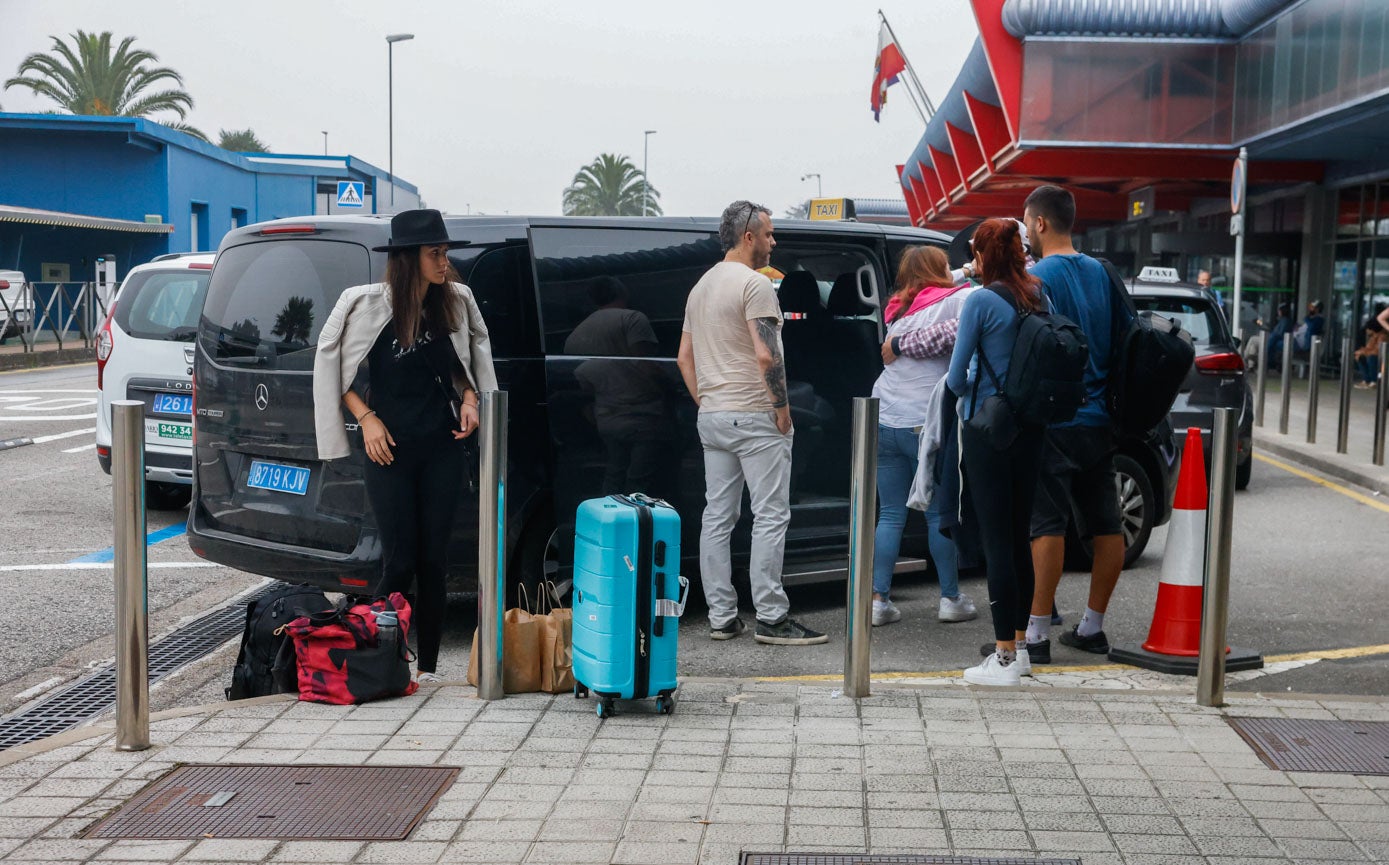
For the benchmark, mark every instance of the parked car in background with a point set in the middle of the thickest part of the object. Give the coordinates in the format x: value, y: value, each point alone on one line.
x: 1217, y: 379
x: 144, y: 351
x: 16, y: 305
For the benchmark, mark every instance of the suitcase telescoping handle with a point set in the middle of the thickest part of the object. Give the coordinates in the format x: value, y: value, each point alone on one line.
x: 674, y: 609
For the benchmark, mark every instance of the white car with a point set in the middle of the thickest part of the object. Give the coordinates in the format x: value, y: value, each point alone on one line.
x: 15, y: 305
x: 144, y: 351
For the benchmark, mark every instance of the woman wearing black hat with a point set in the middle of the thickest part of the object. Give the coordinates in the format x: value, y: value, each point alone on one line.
x: 428, y: 357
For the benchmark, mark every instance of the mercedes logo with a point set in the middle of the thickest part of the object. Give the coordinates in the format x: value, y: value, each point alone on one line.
x: 262, y: 396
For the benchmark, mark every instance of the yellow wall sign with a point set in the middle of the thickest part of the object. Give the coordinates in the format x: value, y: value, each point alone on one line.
x: 831, y: 208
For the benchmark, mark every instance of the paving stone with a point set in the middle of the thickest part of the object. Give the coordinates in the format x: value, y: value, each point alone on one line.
x: 757, y: 796
x: 1089, y: 841
x: 985, y: 820
x: 57, y: 849
x: 645, y: 853
x: 488, y: 851
x: 1280, y: 829
x: 564, y: 852
x: 1130, y: 805
x: 826, y: 798
x: 143, y: 851
x: 798, y: 837
x: 1168, y: 845
x: 231, y: 850
x: 436, y: 830
x: 1072, y: 821
x: 1304, y: 849
x: 1363, y: 831
x: 979, y: 840
x: 917, y: 840
x: 748, y: 835
x: 499, y: 830
x: 1268, y: 810
x: 1236, y: 846
x: 801, y: 816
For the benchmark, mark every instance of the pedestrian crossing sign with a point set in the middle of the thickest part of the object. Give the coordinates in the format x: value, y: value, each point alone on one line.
x: 350, y: 193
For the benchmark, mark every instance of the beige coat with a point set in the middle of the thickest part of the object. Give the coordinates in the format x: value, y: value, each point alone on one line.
x: 348, y: 335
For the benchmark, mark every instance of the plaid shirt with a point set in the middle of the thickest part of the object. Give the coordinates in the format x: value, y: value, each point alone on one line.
x: 938, y: 340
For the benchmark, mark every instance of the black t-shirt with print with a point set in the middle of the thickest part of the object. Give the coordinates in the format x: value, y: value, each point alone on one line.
x: 404, y: 392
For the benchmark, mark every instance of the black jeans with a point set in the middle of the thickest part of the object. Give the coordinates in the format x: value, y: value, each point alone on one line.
x: 1001, y: 486
x: 414, y: 499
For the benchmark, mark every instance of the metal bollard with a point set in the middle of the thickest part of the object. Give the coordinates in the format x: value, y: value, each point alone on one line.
x: 1286, y: 394
x: 1261, y: 378
x: 1347, y: 375
x: 491, y: 547
x: 1313, y: 388
x: 863, y: 499
x: 1210, y: 666
x: 132, y: 576
x: 1381, y: 404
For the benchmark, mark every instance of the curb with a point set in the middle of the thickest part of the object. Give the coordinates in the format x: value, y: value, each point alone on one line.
x: 46, y: 358
x: 1325, y: 466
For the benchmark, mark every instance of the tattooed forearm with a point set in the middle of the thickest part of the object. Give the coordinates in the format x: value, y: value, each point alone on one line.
x: 775, y: 375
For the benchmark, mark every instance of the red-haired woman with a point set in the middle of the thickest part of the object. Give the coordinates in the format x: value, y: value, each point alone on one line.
x: 1000, y: 476
x: 921, y: 318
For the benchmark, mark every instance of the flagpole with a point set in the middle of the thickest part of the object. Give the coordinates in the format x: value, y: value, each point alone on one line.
x: 930, y: 107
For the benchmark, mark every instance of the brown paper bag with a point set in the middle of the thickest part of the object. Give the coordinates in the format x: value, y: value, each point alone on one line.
x: 520, y: 653
x: 556, y: 651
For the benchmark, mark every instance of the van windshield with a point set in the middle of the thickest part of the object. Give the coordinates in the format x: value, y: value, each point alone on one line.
x: 162, y: 304
x: 269, y: 300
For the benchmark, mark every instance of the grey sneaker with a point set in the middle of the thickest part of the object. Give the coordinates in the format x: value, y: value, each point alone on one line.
x: 957, y: 609
x: 788, y: 632
x: 885, y: 612
x: 728, y: 631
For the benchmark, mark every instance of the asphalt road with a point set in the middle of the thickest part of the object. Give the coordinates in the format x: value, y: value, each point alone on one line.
x: 1308, y: 575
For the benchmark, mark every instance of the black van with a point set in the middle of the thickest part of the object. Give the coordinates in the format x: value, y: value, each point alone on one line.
x: 590, y: 414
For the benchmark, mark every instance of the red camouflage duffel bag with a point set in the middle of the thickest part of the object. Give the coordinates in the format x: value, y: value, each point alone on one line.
x: 354, y: 655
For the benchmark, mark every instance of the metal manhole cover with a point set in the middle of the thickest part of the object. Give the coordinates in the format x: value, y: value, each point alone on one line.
x: 338, y: 803
x: 1299, y: 745
x: 895, y: 859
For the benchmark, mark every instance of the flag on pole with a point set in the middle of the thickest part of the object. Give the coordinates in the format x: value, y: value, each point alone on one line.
x: 888, y: 66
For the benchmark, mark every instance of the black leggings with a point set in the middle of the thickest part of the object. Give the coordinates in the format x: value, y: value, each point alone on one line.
x: 1001, y: 486
x: 414, y: 499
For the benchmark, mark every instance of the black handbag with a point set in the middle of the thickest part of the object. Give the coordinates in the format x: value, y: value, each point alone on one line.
x: 994, y: 418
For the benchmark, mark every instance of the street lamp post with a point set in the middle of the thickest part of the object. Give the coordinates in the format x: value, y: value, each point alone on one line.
x: 391, y: 40
x: 819, y: 190
x: 325, y: 142
x: 645, y: 179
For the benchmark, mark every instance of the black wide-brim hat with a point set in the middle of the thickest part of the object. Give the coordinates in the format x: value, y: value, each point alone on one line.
x: 411, y: 228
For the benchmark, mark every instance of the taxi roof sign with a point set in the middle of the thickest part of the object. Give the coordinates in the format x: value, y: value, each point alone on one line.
x: 1159, y: 274
x: 831, y: 208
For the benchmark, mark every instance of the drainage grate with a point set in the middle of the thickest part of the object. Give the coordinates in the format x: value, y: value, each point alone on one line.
x: 894, y: 859
x: 328, y: 803
x: 1299, y: 745
x: 93, y: 694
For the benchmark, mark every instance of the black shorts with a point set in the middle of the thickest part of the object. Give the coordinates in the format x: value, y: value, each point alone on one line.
x: 1077, y: 469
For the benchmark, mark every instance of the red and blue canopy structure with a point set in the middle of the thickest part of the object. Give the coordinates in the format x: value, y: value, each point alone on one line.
x: 1107, y: 99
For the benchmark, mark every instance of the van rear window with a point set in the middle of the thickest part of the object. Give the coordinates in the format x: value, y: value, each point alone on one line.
x: 164, y: 305
x: 269, y: 300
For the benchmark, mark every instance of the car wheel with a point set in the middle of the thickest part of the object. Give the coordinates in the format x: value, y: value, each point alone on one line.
x: 167, y: 497
x: 539, y: 554
x: 1243, y: 472
x: 1137, y: 509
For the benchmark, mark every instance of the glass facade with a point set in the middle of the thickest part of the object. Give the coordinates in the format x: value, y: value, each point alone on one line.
x: 1319, y: 55
x: 1360, y: 273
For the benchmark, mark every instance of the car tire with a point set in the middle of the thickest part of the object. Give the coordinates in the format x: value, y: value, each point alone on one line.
x: 167, y: 497
x: 1243, y: 472
x: 537, y: 555
x: 1137, y: 514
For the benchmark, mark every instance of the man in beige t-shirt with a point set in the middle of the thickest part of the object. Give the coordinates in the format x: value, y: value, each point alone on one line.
x: 731, y: 360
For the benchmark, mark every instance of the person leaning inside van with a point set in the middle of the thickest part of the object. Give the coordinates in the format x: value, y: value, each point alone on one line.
x: 428, y: 357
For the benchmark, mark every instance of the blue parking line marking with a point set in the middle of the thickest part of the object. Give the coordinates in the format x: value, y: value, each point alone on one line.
x: 108, y: 554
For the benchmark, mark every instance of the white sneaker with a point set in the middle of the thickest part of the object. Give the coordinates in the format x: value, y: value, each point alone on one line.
x: 958, y: 609
x: 885, y: 612
x: 1023, y: 663
x: 428, y: 678
x: 994, y: 672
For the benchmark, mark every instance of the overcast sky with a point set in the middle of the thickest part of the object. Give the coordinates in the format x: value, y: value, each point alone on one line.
x: 498, y: 104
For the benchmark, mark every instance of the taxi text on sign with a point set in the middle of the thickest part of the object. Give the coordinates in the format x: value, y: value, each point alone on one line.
x: 831, y: 208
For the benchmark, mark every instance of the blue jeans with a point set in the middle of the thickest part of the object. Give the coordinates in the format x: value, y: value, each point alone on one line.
x: 1368, y: 367
x: 896, y: 468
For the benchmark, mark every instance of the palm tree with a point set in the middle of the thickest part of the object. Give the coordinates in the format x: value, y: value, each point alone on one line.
x: 610, y: 186
x: 241, y: 141
x: 88, y: 78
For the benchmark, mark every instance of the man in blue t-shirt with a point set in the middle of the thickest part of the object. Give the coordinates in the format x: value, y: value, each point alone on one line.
x: 1077, y: 464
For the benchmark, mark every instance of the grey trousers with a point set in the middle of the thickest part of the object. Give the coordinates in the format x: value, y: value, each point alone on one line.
x: 739, y: 447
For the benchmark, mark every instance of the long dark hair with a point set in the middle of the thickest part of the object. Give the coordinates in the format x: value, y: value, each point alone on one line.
x: 999, y: 247
x: 921, y: 266
x: 441, y: 312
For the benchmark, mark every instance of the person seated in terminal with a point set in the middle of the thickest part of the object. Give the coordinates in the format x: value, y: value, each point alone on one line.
x: 1367, y: 355
x: 1281, y: 328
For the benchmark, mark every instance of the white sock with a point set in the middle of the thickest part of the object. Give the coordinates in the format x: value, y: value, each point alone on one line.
x: 1038, y: 628
x: 1091, y: 623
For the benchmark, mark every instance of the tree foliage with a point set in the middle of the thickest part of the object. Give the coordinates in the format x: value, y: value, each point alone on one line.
x: 241, y: 141
x: 610, y: 186
x: 89, y: 77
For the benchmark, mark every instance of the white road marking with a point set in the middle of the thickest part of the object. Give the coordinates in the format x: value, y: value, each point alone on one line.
x: 20, y: 400
x: 65, y: 435
x: 80, y: 448
x: 49, y: 390
x: 98, y: 566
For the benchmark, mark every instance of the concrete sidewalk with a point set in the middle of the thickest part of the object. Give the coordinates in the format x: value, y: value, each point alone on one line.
x: 45, y: 354
x: 944, y: 769
x: 1354, y: 466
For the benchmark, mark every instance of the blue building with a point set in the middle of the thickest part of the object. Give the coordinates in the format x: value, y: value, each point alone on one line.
x: 74, y: 188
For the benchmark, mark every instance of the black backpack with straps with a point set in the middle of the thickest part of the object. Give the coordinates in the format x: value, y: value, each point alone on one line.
x: 266, y: 663
x: 1046, y: 371
x: 1150, y: 358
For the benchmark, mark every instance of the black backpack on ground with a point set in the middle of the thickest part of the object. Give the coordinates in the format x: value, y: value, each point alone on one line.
x: 1150, y: 358
x: 1046, y: 372
x: 266, y: 663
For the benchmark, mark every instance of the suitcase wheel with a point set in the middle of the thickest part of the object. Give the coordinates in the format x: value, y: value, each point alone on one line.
x: 605, y: 708
x: 580, y: 692
x: 665, y: 704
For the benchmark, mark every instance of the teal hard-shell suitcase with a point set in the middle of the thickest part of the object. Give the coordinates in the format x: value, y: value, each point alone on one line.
x: 628, y: 598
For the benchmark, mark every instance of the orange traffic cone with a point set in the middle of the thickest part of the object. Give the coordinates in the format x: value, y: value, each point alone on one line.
x: 1174, y: 638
